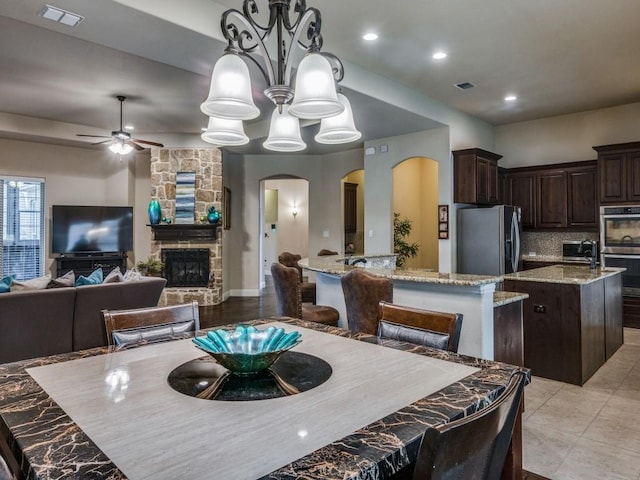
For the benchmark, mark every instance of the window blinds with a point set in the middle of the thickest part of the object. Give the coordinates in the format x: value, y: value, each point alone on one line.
x: 22, y: 227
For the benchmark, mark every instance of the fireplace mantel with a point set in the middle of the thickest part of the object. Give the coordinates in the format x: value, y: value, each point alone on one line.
x: 195, y: 231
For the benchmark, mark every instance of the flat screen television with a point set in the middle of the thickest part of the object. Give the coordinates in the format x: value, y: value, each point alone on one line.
x: 91, y: 229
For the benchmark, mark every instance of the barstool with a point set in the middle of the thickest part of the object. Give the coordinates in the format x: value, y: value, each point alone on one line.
x: 288, y: 295
x: 363, y: 292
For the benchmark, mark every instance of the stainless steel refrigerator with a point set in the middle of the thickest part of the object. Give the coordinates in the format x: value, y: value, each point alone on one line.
x: 488, y: 240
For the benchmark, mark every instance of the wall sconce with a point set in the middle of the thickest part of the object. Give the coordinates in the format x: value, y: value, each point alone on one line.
x: 294, y: 212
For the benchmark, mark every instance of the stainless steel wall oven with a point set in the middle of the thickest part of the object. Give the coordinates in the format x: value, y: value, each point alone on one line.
x: 620, y: 243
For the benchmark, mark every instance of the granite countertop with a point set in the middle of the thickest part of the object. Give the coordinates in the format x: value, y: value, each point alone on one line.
x: 501, y: 298
x: 572, y: 274
x: 49, y: 444
x: 334, y: 265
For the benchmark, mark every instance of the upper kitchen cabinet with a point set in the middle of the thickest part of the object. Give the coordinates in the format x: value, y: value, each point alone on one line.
x: 475, y: 176
x: 555, y: 197
x: 619, y: 170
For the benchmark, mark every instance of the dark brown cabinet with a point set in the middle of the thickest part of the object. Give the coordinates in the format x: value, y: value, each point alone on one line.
x: 570, y: 329
x: 619, y: 171
x: 475, y: 176
x: 558, y: 197
x: 350, y: 207
x: 551, y: 199
x: 521, y: 192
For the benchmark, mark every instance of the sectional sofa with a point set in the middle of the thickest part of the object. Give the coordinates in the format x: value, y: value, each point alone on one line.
x: 37, y: 323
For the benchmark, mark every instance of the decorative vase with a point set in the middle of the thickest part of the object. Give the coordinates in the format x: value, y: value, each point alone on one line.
x: 155, y: 214
x: 213, y: 216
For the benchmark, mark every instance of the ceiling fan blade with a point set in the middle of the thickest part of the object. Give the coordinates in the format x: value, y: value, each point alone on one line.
x: 155, y: 144
x: 101, y: 142
x: 134, y: 145
x: 94, y: 136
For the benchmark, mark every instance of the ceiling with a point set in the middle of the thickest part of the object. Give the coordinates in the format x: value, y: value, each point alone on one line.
x: 557, y: 57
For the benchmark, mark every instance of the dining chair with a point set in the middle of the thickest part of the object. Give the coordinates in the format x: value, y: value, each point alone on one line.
x: 363, y: 292
x: 308, y: 289
x: 289, y: 301
x: 424, y: 327
x: 474, y: 447
x: 128, y: 328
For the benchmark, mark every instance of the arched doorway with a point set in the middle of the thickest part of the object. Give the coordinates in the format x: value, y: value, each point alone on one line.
x: 284, y: 219
x: 415, y: 197
x: 353, y: 208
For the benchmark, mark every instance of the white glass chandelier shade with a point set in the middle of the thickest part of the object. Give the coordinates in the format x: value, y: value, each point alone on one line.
x: 120, y: 147
x: 284, y: 132
x: 230, y: 92
x: 315, y: 90
x: 222, y: 131
x: 339, y: 129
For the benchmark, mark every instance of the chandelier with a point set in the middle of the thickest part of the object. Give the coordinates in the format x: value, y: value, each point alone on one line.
x: 296, y: 42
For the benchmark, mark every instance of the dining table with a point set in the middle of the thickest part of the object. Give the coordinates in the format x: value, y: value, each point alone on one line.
x: 347, y: 406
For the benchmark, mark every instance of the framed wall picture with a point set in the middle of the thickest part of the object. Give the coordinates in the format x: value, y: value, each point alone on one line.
x: 226, y: 206
x: 443, y: 222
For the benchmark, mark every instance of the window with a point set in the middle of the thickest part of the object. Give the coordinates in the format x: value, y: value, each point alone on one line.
x: 22, y: 227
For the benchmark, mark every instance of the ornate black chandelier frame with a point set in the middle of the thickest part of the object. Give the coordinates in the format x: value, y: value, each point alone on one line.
x: 248, y: 38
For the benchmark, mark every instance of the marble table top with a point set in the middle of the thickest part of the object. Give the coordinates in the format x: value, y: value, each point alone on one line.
x: 50, y: 442
x: 333, y: 265
x: 571, y: 274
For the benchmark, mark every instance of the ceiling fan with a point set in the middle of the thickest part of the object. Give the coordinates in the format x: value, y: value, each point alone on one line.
x: 121, y: 141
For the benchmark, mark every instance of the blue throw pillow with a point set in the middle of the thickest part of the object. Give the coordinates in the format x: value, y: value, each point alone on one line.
x: 94, y: 279
x: 5, y: 283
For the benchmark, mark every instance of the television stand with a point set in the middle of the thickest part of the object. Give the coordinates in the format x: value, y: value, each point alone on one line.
x: 85, y: 264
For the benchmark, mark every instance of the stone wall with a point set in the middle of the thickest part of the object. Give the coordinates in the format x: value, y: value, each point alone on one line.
x: 207, y: 163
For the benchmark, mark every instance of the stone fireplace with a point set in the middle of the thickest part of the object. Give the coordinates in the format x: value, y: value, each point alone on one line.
x: 195, y: 262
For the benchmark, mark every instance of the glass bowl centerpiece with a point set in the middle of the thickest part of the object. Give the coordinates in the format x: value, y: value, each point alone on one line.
x: 247, y: 350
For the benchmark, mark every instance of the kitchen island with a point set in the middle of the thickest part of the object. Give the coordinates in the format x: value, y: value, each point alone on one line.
x: 105, y: 414
x: 471, y: 295
x: 572, y: 319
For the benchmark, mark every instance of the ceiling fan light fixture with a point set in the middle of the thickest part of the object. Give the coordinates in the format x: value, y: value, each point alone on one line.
x: 340, y: 128
x: 119, y: 147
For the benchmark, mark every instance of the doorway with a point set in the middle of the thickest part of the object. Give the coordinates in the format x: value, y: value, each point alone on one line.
x: 415, y: 197
x: 284, y: 220
x: 353, y: 208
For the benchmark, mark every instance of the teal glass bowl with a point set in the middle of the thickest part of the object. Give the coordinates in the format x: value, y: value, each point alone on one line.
x: 247, y: 350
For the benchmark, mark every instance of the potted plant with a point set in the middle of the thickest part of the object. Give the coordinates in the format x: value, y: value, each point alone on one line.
x: 151, y: 267
x: 402, y: 229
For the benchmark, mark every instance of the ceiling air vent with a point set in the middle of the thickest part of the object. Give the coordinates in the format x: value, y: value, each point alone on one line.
x: 464, y: 85
x: 59, y: 15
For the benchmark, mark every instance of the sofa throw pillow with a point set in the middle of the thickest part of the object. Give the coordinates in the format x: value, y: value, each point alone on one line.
x: 39, y: 283
x: 5, y: 283
x: 94, y: 279
x: 115, y: 276
x: 66, y: 280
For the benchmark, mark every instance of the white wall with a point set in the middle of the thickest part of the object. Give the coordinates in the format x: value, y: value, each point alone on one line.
x: 566, y: 138
x: 242, y: 174
x: 378, y: 217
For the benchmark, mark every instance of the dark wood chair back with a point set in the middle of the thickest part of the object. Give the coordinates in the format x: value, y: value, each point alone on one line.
x: 439, y: 329
x: 474, y: 447
x: 363, y: 292
x: 127, y: 328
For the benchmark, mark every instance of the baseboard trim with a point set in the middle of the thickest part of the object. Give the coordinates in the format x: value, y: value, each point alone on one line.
x: 249, y: 292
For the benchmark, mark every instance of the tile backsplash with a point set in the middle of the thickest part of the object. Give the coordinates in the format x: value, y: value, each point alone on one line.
x: 550, y: 243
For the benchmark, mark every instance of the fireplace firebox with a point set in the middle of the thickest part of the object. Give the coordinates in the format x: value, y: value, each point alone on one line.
x: 186, y: 267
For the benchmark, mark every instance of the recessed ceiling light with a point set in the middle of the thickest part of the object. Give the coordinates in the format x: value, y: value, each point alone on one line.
x: 439, y: 55
x: 510, y: 98
x: 129, y: 127
x: 59, y: 15
x: 464, y: 85
x: 370, y: 36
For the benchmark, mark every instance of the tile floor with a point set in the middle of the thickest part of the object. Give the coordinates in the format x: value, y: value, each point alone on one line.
x: 589, y: 432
